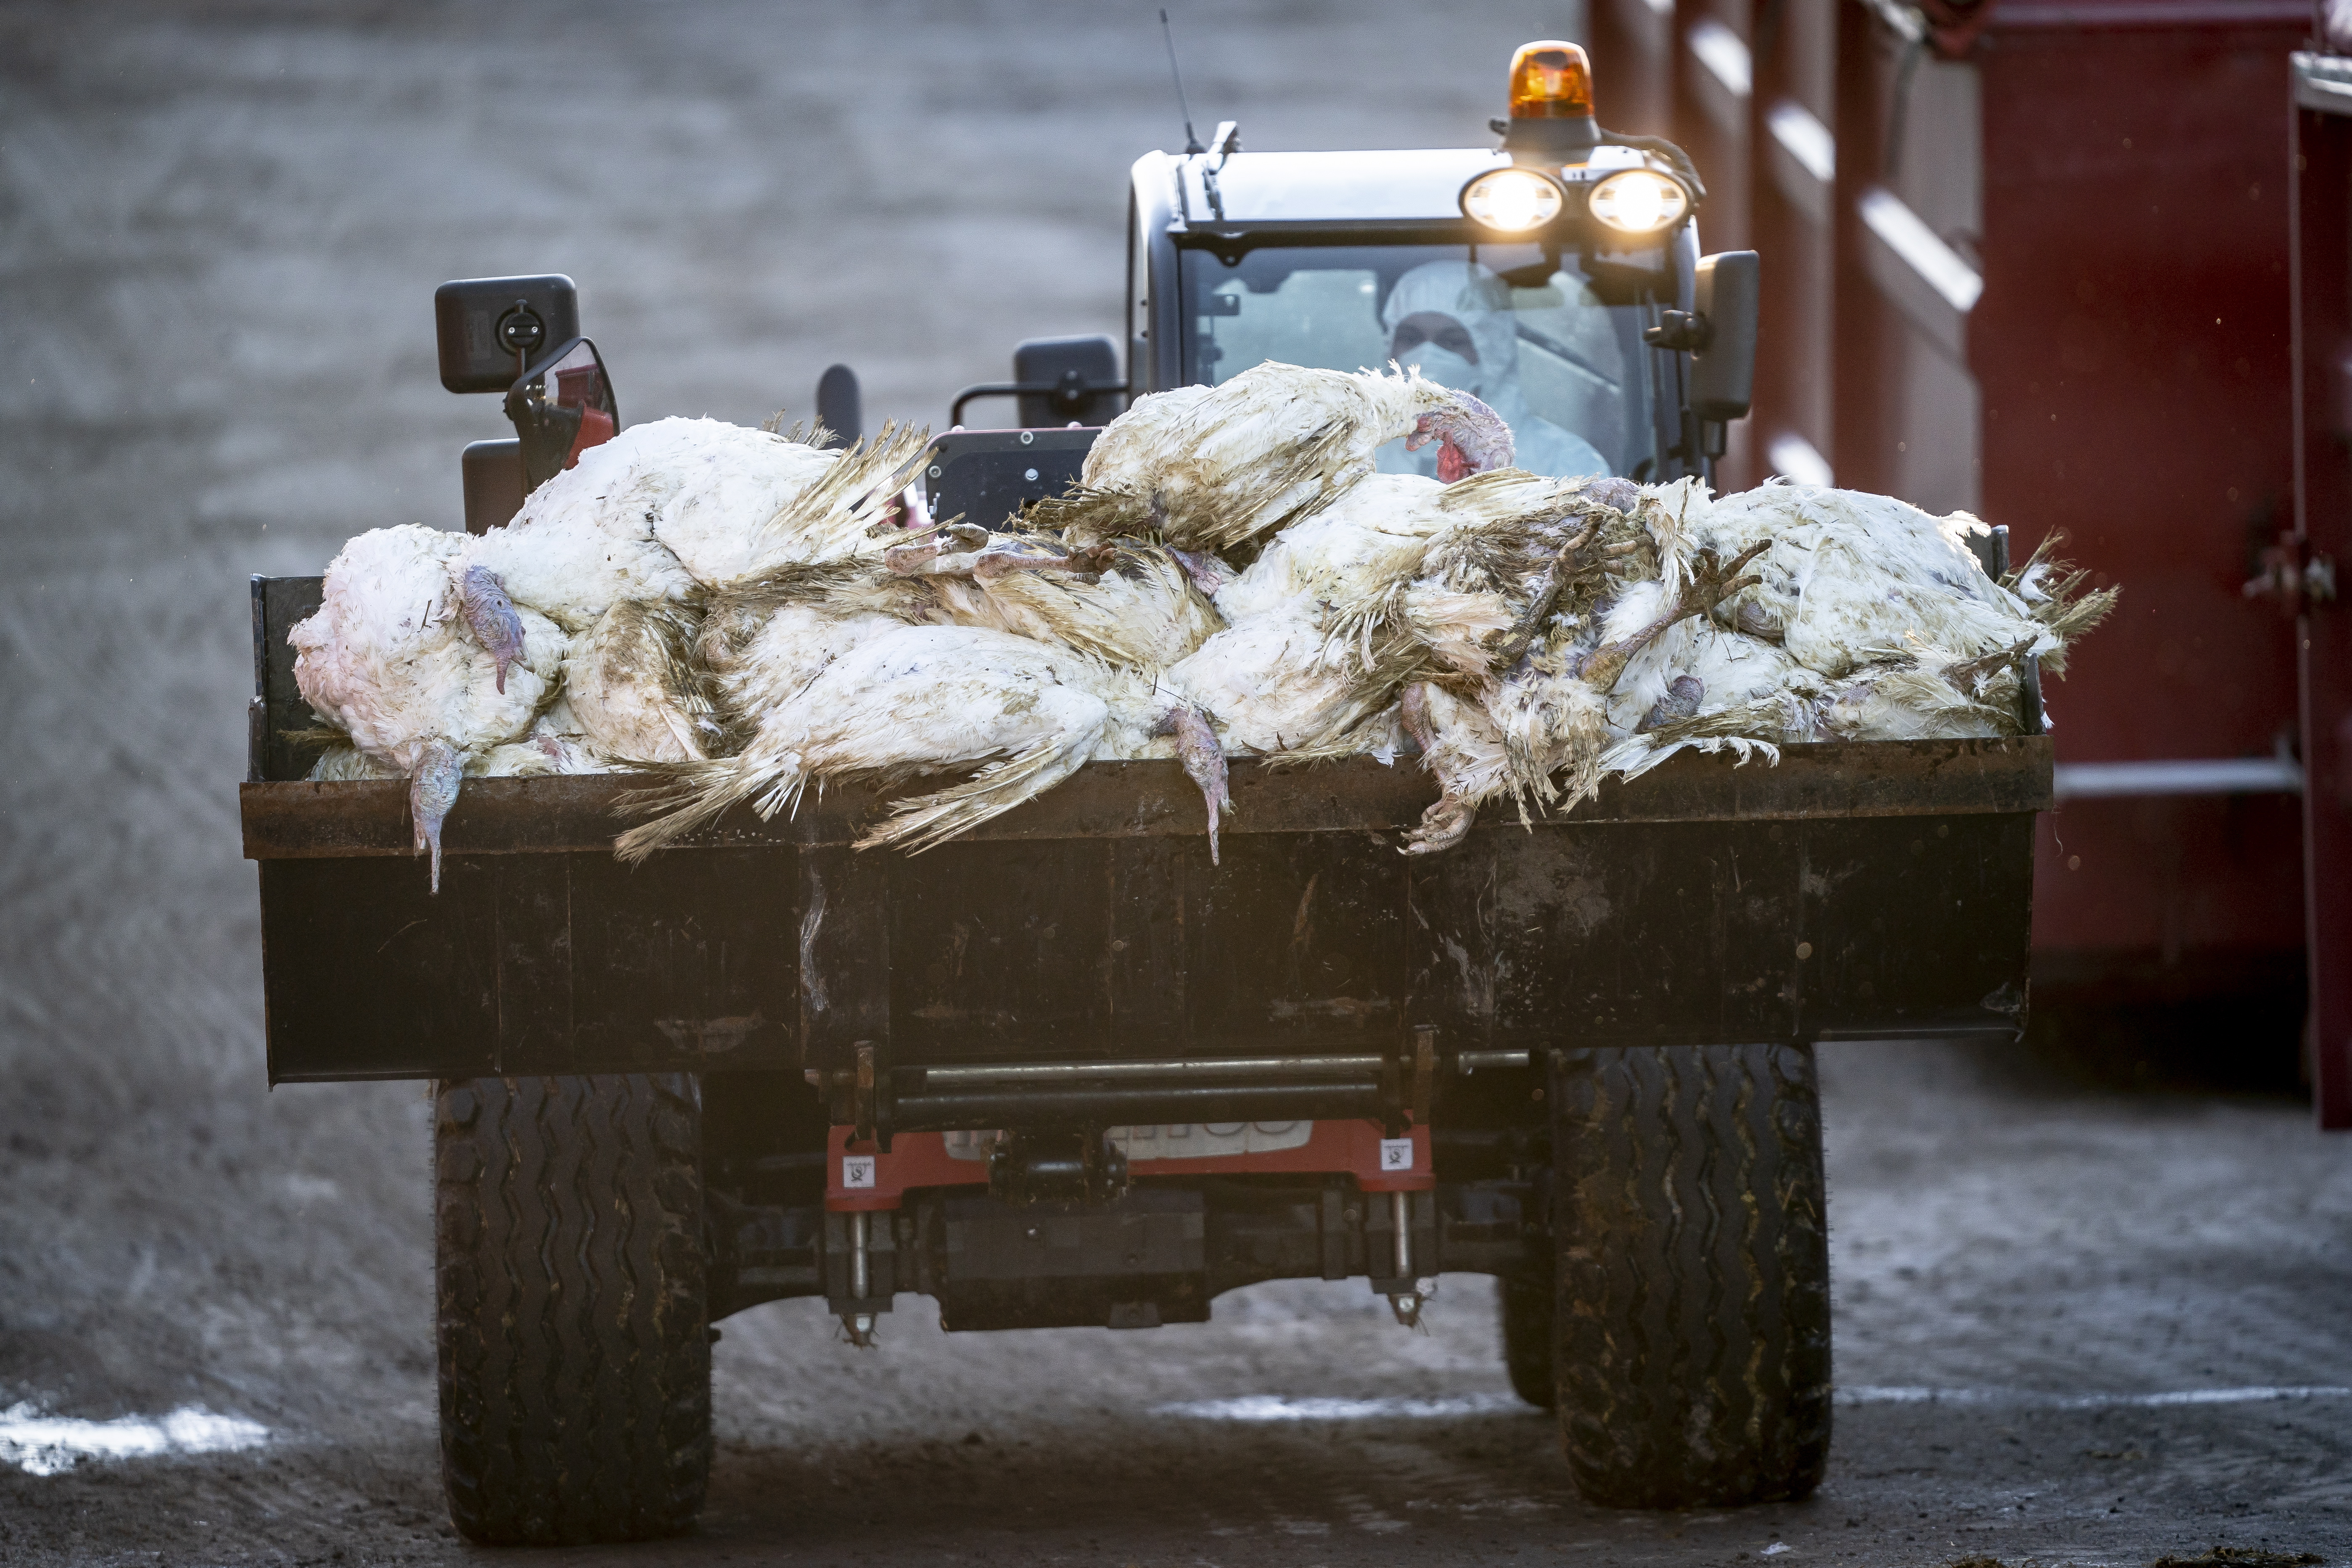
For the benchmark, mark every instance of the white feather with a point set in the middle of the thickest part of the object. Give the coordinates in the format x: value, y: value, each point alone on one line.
x: 387, y: 660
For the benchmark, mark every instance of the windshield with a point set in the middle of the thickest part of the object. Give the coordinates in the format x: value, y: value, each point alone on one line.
x: 1556, y: 351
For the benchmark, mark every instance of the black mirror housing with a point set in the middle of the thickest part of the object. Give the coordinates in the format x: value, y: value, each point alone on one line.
x: 489, y: 329
x: 1723, y: 374
x: 840, y: 407
x: 495, y: 487
x: 1076, y: 366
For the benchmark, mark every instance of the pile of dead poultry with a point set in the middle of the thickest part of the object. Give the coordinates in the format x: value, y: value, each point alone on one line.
x: 743, y: 616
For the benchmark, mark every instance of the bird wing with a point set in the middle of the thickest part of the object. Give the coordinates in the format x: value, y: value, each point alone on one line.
x: 1268, y: 686
x: 633, y: 689
x: 1143, y: 612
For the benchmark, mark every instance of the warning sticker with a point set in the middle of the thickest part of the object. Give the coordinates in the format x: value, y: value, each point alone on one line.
x: 1396, y: 1153
x: 857, y: 1169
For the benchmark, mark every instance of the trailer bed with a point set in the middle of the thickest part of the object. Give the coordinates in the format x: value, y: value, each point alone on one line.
x: 1853, y: 891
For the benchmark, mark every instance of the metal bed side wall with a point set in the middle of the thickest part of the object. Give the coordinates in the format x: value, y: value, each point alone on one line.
x: 1856, y: 890
x: 1117, y: 948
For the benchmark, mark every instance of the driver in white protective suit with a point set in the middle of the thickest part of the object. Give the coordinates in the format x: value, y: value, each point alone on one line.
x: 1453, y: 321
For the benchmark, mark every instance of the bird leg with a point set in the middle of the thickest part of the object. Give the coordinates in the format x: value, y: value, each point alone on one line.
x: 1539, y: 610
x: 432, y: 791
x: 911, y: 560
x: 1203, y: 760
x: 491, y: 617
x: 928, y: 556
x: 1087, y: 564
x: 1710, y: 584
x: 1970, y: 678
x: 1448, y: 821
x: 1565, y: 567
x: 1412, y: 712
x: 1472, y: 437
x: 987, y: 556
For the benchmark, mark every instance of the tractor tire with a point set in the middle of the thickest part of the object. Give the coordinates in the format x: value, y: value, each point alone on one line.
x: 1528, y: 1339
x: 574, y: 1324
x: 1692, y: 1254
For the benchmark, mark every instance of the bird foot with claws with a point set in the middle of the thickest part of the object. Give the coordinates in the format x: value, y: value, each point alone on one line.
x: 1447, y: 821
x: 1711, y: 582
x: 987, y: 556
x: 1442, y: 825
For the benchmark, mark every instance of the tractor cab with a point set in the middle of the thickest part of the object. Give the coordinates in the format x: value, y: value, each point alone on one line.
x: 1557, y: 276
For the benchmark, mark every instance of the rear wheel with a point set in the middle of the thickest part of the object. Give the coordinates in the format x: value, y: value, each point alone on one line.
x: 1693, y: 1307
x: 1528, y: 1339
x: 574, y: 1335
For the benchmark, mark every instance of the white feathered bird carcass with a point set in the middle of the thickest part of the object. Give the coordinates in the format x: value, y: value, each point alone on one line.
x: 744, y: 614
x: 391, y: 662
x: 566, y: 641
x: 1221, y: 467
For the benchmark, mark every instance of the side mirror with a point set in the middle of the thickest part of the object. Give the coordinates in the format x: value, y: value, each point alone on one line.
x: 491, y: 328
x: 1723, y: 372
x: 1083, y: 373
x: 839, y: 408
x: 495, y: 488
x: 562, y: 408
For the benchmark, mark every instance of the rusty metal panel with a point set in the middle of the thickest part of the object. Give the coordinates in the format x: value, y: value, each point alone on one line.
x: 1000, y: 949
x: 1133, y: 800
x: 677, y: 962
x: 529, y: 963
x: 1917, y: 927
x: 1709, y: 932
x: 1298, y: 943
x: 843, y: 946
x: 278, y: 604
x: 366, y: 975
x: 1146, y: 989
x: 1608, y: 936
x: 535, y: 960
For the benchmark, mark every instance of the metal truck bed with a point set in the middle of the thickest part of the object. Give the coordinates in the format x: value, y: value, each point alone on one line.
x: 1853, y: 891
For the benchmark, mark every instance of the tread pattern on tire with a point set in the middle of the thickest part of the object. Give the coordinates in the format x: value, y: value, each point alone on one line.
x: 1691, y: 1242
x: 572, y: 1327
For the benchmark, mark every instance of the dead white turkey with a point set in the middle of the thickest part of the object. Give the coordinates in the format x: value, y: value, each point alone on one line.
x: 1128, y: 601
x: 750, y: 616
x: 1218, y: 468
x: 394, y: 661
x: 885, y: 703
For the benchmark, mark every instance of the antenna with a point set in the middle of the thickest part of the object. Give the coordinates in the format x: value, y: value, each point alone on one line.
x: 1192, y: 142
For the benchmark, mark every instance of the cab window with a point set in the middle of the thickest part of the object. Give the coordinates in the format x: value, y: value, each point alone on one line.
x: 1556, y: 351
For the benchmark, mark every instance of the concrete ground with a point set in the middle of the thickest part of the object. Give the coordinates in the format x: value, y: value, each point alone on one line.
x: 2073, y: 1326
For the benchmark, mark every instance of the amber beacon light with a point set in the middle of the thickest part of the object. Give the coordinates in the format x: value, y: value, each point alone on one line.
x: 1550, y: 79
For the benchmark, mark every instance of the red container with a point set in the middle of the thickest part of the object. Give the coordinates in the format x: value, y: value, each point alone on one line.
x: 2302, y: 573
x: 2031, y: 258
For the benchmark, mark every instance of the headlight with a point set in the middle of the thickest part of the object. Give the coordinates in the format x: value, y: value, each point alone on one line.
x: 1640, y: 200
x: 1512, y: 201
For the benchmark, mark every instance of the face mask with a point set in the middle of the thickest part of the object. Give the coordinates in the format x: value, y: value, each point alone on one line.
x: 1443, y: 366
